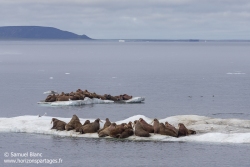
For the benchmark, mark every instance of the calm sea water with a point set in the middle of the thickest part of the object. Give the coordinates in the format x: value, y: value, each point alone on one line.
x: 207, y: 79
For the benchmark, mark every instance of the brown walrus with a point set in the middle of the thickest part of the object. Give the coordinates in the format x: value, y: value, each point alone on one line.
x: 58, y: 124
x: 165, y: 131
x: 107, y: 124
x: 126, y: 97
x: 51, y: 98
x: 88, y: 94
x: 91, y: 127
x: 171, y: 127
x: 147, y: 127
x: 86, y: 122
x: 127, y: 132
x: 117, y: 131
x: 101, y: 97
x: 79, y: 91
x: 109, y: 97
x: 139, y: 131
x: 106, y: 132
x: 73, y: 124
x: 63, y: 98
x: 156, y: 126
x: 77, y: 96
x: 183, y: 131
x: 130, y: 125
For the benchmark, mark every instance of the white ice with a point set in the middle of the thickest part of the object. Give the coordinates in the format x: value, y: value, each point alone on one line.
x: 236, y: 73
x: 212, y: 130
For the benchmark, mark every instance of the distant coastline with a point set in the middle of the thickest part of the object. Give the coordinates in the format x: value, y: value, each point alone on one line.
x: 38, y: 33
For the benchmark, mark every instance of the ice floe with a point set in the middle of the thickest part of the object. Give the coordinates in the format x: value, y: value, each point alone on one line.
x: 208, y: 129
x: 88, y: 101
x: 236, y: 73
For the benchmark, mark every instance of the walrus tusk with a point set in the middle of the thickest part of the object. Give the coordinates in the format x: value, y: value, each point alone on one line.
x: 152, y: 122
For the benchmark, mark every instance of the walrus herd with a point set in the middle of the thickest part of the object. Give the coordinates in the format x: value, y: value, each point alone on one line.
x: 80, y: 95
x: 139, y: 128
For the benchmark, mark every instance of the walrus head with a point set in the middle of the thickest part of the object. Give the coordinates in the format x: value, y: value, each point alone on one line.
x: 135, y: 121
x: 112, y: 126
x: 130, y: 124
x: 179, y: 125
x: 86, y: 122
x: 107, y: 119
x: 74, y: 117
x: 79, y: 90
x: 191, y: 132
x: 98, y: 120
x: 53, y: 119
x: 155, y: 120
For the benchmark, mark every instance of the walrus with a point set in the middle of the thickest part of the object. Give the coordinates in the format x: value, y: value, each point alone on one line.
x: 139, y: 131
x: 101, y: 97
x: 62, y: 94
x: 91, y: 127
x: 73, y: 124
x: 109, y: 97
x: 165, y: 131
x: 107, y: 124
x: 106, y: 132
x: 121, y: 125
x: 130, y: 125
x: 58, y: 124
x: 86, y: 122
x: 63, y: 98
x: 73, y: 97
x: 147, y: 127
x: 117, y: 131
x: 126, y: 97
x: 79, y: 91
x: 86, y: 93
x: 71, y: 94
x: 126, y: 133
x: 183, y: 131
x: 156, y: 126
x: 51, y: 98
x: 171, y: 127
x: 118, y: 98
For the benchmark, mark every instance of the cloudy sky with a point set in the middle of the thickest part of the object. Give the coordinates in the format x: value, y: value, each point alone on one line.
x: 134, y: 19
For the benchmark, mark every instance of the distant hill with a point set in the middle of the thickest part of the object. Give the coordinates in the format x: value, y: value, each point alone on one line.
x: 37, y: 32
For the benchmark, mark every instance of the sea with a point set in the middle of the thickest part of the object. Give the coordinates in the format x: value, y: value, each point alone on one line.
x: 208, y: 79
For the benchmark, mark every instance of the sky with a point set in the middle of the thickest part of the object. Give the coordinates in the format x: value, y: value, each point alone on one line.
x: 134, y: 19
